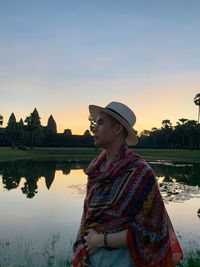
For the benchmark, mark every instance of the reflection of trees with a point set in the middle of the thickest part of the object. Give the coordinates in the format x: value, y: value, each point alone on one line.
x: 30, y: 187
x: 32, y: 171
x: 188, y: 174
x: 11, y: 182
x: 10, y: 177
x: 29, y: 173
x: 179, y: 182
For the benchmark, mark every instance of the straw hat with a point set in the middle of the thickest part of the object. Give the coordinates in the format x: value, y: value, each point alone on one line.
x: 121, y: 113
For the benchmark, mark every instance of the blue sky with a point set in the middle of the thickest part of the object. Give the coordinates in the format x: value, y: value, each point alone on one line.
x: 61, y: 56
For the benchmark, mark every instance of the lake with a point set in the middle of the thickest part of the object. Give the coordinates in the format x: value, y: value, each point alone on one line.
x: 41, y: 205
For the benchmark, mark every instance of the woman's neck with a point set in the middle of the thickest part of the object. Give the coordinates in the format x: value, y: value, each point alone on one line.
x: 112, y: 151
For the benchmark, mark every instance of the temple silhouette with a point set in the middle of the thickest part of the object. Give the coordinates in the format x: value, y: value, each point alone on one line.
x: 20, y: 133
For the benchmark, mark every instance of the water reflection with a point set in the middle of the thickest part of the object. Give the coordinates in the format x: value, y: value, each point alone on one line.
x: 40, y: 232
x: 184, y: 173
x: 32, y: 171
x: 178, y: 182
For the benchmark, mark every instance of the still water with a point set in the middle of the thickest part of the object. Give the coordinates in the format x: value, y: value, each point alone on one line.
x: 41, y: 205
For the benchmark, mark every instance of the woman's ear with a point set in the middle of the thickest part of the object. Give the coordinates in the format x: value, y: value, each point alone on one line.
x: 119, y: 128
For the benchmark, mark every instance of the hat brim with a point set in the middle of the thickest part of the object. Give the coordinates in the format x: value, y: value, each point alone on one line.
x: 131, y: 138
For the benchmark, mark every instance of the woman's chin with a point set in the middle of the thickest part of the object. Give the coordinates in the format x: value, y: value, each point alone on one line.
x: 97, y: 143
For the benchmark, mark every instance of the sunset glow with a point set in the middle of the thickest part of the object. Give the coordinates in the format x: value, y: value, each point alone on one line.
x: 62, y: 56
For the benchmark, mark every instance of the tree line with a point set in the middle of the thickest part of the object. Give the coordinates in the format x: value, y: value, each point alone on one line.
x: 185, y: 134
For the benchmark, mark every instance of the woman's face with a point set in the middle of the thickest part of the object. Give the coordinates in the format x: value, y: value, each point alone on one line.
x: 104, y: 132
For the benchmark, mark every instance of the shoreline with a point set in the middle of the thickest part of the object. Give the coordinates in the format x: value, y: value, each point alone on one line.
x: 87, y: 154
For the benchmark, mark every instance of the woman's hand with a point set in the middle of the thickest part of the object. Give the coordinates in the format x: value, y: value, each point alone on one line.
x: 84, y: 264
x: 94, y: 241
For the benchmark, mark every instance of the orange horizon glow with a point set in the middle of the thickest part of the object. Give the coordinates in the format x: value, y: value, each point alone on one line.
x: 156, y: 104
x: 78, y: 126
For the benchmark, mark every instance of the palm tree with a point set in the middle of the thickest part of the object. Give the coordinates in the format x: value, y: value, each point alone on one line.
x: 166, y: 124
x: 167, y: 130
x: 197, y: 102
x: 180, y: 129
x: 154, y: 134
x: 183, y: 120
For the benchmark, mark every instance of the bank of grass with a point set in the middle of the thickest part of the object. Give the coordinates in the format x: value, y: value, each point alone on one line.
x: 86, y: 154
x: 177, y: 155
x: 192, y: 259
x: 38, y: 153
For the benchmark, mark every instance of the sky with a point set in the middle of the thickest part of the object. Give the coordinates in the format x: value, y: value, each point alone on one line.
x: 60, y: 56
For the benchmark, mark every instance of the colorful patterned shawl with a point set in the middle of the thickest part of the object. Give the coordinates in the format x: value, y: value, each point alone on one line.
x: 126, y: 196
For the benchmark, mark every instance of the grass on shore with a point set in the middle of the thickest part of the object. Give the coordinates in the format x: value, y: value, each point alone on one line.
x: 177, y: 155
x: 192, y: 259
x: 86, y: 154
x: 38, y: 153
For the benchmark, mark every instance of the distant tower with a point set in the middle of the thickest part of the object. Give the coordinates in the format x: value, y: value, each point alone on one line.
x: 12, y: 119
x: 21, y: 122
x: 67, y: 132
x: 51, y: 126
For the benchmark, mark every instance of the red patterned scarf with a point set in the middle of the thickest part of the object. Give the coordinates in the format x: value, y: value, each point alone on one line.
x: 126, y: 196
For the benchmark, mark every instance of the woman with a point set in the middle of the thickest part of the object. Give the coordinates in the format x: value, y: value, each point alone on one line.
x: 124, y: 221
